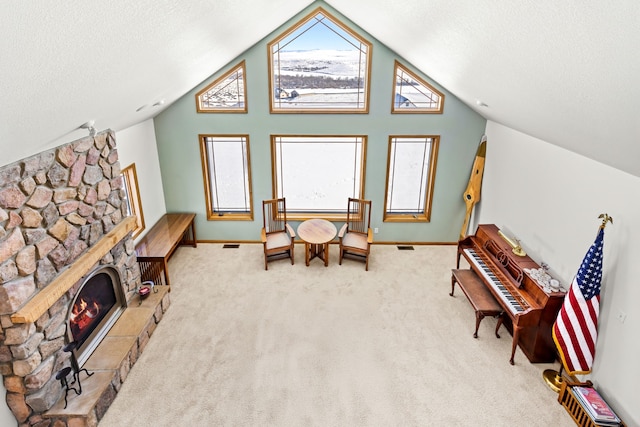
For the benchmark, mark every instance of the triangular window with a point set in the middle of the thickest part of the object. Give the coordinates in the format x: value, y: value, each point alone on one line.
x: 227, y: 94
x: 411, y: 94
x: 321, y: 66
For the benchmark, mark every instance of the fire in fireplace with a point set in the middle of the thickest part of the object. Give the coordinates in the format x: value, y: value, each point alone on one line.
x: 96, y: 307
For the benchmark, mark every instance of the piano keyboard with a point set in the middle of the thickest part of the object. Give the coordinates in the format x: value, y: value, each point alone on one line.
x: 504, y: 294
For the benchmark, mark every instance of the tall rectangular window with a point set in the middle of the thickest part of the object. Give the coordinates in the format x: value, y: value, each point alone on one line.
x: 132, y: 197
x: 411, y: 171
x: 227, y: 176
x: 317, y: 174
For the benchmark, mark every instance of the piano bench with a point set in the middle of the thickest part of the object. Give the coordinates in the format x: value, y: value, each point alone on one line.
x: 478, y: 295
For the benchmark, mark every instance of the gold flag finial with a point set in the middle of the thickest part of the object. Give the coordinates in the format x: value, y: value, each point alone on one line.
x: 605, y: 218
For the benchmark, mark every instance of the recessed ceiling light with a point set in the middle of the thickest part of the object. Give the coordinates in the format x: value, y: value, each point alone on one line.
x: 159, y: 103
x: 141, y: 108
x: 481, y: 104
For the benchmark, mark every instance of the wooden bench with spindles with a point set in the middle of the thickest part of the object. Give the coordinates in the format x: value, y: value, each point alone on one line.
x: 157, y: 246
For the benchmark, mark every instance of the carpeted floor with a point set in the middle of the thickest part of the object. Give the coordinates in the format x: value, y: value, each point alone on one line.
x: 334, y: 346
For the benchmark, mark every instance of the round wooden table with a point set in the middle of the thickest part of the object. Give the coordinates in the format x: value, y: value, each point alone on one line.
x: 316, y: 234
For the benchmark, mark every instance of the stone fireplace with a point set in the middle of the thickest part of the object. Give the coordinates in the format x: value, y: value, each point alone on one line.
x: 68, y: 271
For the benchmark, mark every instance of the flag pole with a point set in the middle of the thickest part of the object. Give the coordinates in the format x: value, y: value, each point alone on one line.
x: 554, y: 378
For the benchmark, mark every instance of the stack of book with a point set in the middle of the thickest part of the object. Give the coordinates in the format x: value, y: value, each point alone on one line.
x: 596, y: 407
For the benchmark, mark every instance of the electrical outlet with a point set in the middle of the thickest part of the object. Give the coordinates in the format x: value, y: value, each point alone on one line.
x: 375, y: 230
x: 621, y: 316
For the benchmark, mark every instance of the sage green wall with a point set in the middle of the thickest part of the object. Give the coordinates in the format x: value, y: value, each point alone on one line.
x: 460, y: 128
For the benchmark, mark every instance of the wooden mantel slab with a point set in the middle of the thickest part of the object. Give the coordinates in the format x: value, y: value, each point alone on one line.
x: 40, y: 303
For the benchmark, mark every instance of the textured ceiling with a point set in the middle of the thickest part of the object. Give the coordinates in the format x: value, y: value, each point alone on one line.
x: 563, y: 72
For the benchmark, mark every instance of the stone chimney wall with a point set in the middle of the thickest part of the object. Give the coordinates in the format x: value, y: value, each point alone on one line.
x: 53, y: 207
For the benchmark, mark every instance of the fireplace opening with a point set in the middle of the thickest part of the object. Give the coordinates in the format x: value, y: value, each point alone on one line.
x: 95, y: 308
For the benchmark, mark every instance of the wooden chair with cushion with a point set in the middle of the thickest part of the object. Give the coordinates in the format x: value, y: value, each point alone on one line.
x: 277, y: 235
x: 356, y: 235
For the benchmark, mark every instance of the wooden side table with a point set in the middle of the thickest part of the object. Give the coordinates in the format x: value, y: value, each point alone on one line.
x: 570, y: 402
x: 316, y: 234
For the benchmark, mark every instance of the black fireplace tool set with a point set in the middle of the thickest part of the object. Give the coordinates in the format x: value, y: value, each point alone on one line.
x: 63, y: 374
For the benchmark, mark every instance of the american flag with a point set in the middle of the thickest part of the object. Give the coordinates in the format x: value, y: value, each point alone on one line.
x: 576, y: 327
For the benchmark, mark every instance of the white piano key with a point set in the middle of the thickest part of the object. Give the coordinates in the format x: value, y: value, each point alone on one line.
x: 510, y: 301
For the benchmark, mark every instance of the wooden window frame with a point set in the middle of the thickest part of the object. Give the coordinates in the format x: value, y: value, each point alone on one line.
x: 214, y: 214
x: 359, y: 172
x: 364, y: 74
x: 426, y: 187
x: 134, y: 203
x: 243, y: 109
x: 417, y: 110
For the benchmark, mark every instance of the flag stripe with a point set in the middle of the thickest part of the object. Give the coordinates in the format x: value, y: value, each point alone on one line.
x: 572, y: 335
x: 579, y: 313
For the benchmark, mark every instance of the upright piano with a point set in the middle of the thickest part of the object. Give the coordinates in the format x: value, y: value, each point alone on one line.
x: 529, y: 309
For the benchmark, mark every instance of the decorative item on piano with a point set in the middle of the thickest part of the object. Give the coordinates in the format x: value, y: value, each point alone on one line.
x: 515, y: 246
x: 543, y: 278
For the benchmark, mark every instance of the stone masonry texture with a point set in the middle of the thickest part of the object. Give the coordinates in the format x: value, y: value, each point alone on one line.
x: 53, y: 207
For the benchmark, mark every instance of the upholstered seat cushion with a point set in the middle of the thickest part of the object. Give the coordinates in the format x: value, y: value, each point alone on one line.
x: 355, y: 240
x: 278, y: 240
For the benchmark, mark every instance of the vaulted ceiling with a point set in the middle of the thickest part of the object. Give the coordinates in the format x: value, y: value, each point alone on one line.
x: 561, y: 71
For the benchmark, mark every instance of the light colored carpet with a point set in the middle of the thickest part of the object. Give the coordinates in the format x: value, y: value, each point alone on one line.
x: 335, y: 346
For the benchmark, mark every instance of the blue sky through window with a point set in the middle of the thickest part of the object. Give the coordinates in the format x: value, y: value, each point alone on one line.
x: 319, y: 33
